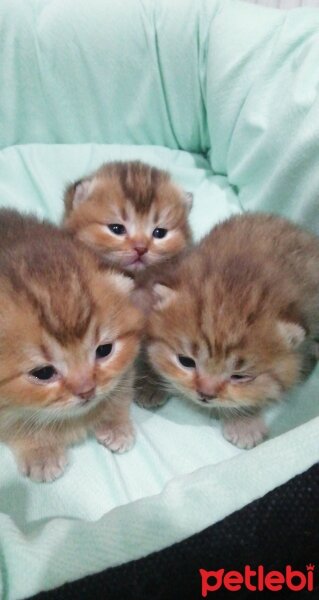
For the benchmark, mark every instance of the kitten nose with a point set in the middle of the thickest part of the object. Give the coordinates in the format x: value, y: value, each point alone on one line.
x: 87, y: 394
x: 140, y: 249
x: 83, y: 387
x: 210, y: 387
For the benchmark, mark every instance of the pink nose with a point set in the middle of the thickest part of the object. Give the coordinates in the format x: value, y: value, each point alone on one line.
x: 87, y: 394
x: 210, y: 387
x: 140, y: 249
x: 83, y: 387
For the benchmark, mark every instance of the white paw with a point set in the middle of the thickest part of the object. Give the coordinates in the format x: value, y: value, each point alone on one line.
x: 43, y: 466
x: 149, y: 398
x: 245, y: 432
x: 117, y: 439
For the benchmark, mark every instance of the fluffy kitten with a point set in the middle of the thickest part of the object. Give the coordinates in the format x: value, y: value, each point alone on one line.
x: 69, y: 335
x: 132, y: 214
x: 236, y: 324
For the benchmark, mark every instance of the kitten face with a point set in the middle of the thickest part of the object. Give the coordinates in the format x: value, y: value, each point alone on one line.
x: 69, y: 331
x: 232, y: 325
x: 130, y: 213
x: 215, y: 360
x: 40, y: 371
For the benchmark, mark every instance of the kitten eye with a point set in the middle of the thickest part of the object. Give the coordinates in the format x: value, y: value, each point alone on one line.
x: 103, y: 350
x: 186, y: 361
x: 159, y: 232
x: 240, y: 378
x: 44, y: 373
x: 117, y: 228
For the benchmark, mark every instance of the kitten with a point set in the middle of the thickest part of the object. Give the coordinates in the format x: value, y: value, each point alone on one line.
x: 135, y: 217
x: 237, y: 323
x: 69, y: 335
x: 132, y: 214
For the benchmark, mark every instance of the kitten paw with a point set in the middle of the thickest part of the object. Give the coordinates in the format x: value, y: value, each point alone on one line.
x: 245, y: 432
x: 42, y: 465
x: 150, y: 398
x: 117, y: 439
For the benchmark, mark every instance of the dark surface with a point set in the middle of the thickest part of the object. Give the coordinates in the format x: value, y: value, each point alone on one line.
x: 279, y: 529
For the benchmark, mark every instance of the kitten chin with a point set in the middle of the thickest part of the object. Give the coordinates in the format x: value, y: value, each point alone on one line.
x: 69, y: 337
x: 236, y: 325
x: 131, y: 214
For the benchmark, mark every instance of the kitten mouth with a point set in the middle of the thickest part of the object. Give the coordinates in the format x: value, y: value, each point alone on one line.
x: 203, y: 400
x: 136, y: 264
x: 86, y: 404
x: 82, y: 402
x: 209, y: 401
x: 217, y: 403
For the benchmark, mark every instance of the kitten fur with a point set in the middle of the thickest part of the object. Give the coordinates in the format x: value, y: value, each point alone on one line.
x: 139, y: 198
x: 243, y: 305
x: 60, y: 306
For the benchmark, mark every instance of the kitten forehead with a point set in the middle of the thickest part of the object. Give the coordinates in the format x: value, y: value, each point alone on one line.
x: 186, y: 315
x: 139, y: 183
x: 47, y: 273
x: 162, y: 215
x: 64, y: 308
x: 142, y: 185
x: 53, y: 350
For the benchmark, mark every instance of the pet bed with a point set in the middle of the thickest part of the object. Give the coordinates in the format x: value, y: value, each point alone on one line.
x: 225, y: 96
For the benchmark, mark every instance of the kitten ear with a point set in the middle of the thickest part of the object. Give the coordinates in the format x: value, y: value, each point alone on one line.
x: 82, y: 190
x: 188, y: 199
x: 292, y: 333
x: 77, y: 192
x: 162, y: 296
x: 154, y: 297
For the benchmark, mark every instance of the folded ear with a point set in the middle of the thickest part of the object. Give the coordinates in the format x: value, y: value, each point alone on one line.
x: 163, y: 296
x: 292, y: 333
x: 188, y: 199
x: 77, y: 193
x: 156, y: 297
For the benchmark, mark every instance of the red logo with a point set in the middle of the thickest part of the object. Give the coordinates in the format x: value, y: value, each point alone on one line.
x: 257, y: 580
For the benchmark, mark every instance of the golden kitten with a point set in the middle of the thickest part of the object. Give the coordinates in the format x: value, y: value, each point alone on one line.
x: 235, y: 326
x: 69, y: 335
x: 132, y: 214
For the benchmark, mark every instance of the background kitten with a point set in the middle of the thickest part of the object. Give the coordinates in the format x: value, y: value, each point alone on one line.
x: 132, y: 214
x: 68, y: 337
x: 236, y: 324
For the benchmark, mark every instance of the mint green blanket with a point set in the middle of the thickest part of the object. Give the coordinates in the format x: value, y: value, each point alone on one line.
x: 225, y: 96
